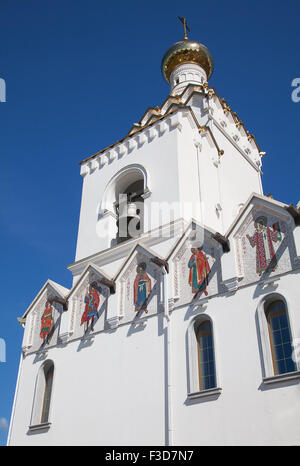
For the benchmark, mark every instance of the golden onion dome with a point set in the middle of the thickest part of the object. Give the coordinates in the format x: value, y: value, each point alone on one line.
x: 186, y: 51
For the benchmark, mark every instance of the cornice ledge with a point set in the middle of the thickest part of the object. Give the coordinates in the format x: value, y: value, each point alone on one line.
x: 281, y: 378
x: 64, y: 337
x: 269, y: 282
x: 216, y: 391
x: 199, y: 304
x: 164, y: 233
x: 113, y: 322
x: 231, y: 284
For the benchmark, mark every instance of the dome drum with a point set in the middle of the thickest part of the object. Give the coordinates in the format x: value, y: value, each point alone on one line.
x: 186, y: 51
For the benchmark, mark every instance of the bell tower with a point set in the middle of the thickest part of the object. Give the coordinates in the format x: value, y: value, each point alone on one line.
x: 190, y: 158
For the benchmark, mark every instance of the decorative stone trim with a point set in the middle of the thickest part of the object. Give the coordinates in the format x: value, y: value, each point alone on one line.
x: 42, y: 353
x: 44, y: 425
x: 108, y: 213
x: 281, y: 378
x: 204, y: 393
x: 25, y: 349
x: 238, y: 142
x: 200, y: 304
x: 162, y: 127
x: 231, y: 284
x: 64, y: 337
x: 93, y: 165
x: 88, y: 337
x: 141, y: 137
x: 84, y: 169
x: 171, y: 304
x: 269, y: 282
x: 102, y: 160
x: 128, y: 144
x: 113, y: 322
x: 147, y: 193
x: 121, y: 150
x: 112, y: 155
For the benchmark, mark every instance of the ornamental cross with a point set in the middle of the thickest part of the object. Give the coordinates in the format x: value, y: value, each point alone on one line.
x: 185, y: 26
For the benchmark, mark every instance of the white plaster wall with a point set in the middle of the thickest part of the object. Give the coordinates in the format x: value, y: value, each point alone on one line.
x: 111, y: 392
x: 247, y: 412
x: 208, y: 174
x: 237, y: 178
x: 198, y: 179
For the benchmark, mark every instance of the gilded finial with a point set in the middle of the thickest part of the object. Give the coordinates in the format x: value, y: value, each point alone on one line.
x: 21, y: 320
x: 185, y: 27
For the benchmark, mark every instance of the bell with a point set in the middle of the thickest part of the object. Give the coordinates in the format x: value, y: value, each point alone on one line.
x: 128, y: 221
x: 129, y: 211
x: 132, y: 211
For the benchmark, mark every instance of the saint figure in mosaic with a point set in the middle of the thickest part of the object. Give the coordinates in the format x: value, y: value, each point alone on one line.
x: 46, y: 322
x: 92, y: 300
x: 199, y: 271
x: 142, y: 288
x: 263, y: 240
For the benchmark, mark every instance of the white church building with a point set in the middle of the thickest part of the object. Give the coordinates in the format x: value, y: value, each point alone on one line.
x: 182, y: 323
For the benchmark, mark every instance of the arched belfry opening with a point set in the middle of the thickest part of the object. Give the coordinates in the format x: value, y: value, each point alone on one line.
x: 124, y: 200
x: 130, y: 210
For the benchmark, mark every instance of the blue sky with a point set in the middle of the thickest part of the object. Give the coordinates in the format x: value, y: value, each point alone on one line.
x: 78, y: 74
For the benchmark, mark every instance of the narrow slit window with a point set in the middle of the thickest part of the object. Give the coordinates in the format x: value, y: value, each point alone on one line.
x: 206, y: 359
x: 47, y: 394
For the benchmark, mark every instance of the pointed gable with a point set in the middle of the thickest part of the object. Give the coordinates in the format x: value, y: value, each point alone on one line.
x: 196, y: 266
x: 88, y: 301
x: 263, y: 240
x: 43, y: 316
x: 139, y: 283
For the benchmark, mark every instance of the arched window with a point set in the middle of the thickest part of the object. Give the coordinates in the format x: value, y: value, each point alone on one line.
x: 206, y: 358
x: 48, y: 374
x: 280, y: 337
x: 130, y: 209
x: 42, y: 395
x: 123, y: 200
x: 275, y: 335
x: 201, y: 368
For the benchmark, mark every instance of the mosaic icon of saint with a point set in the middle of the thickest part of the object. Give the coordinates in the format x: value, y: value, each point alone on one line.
x: 263, y: 239
x: 142, y: 288
x: 46, y: 322
x: 199, y: 271
x: 92, y: 300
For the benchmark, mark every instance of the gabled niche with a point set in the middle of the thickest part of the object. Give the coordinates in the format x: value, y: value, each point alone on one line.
x: 196, y: 266
x: 43, y: 318
x: 264, y: 243
x: 140, y: 285
x: 88, y: 303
